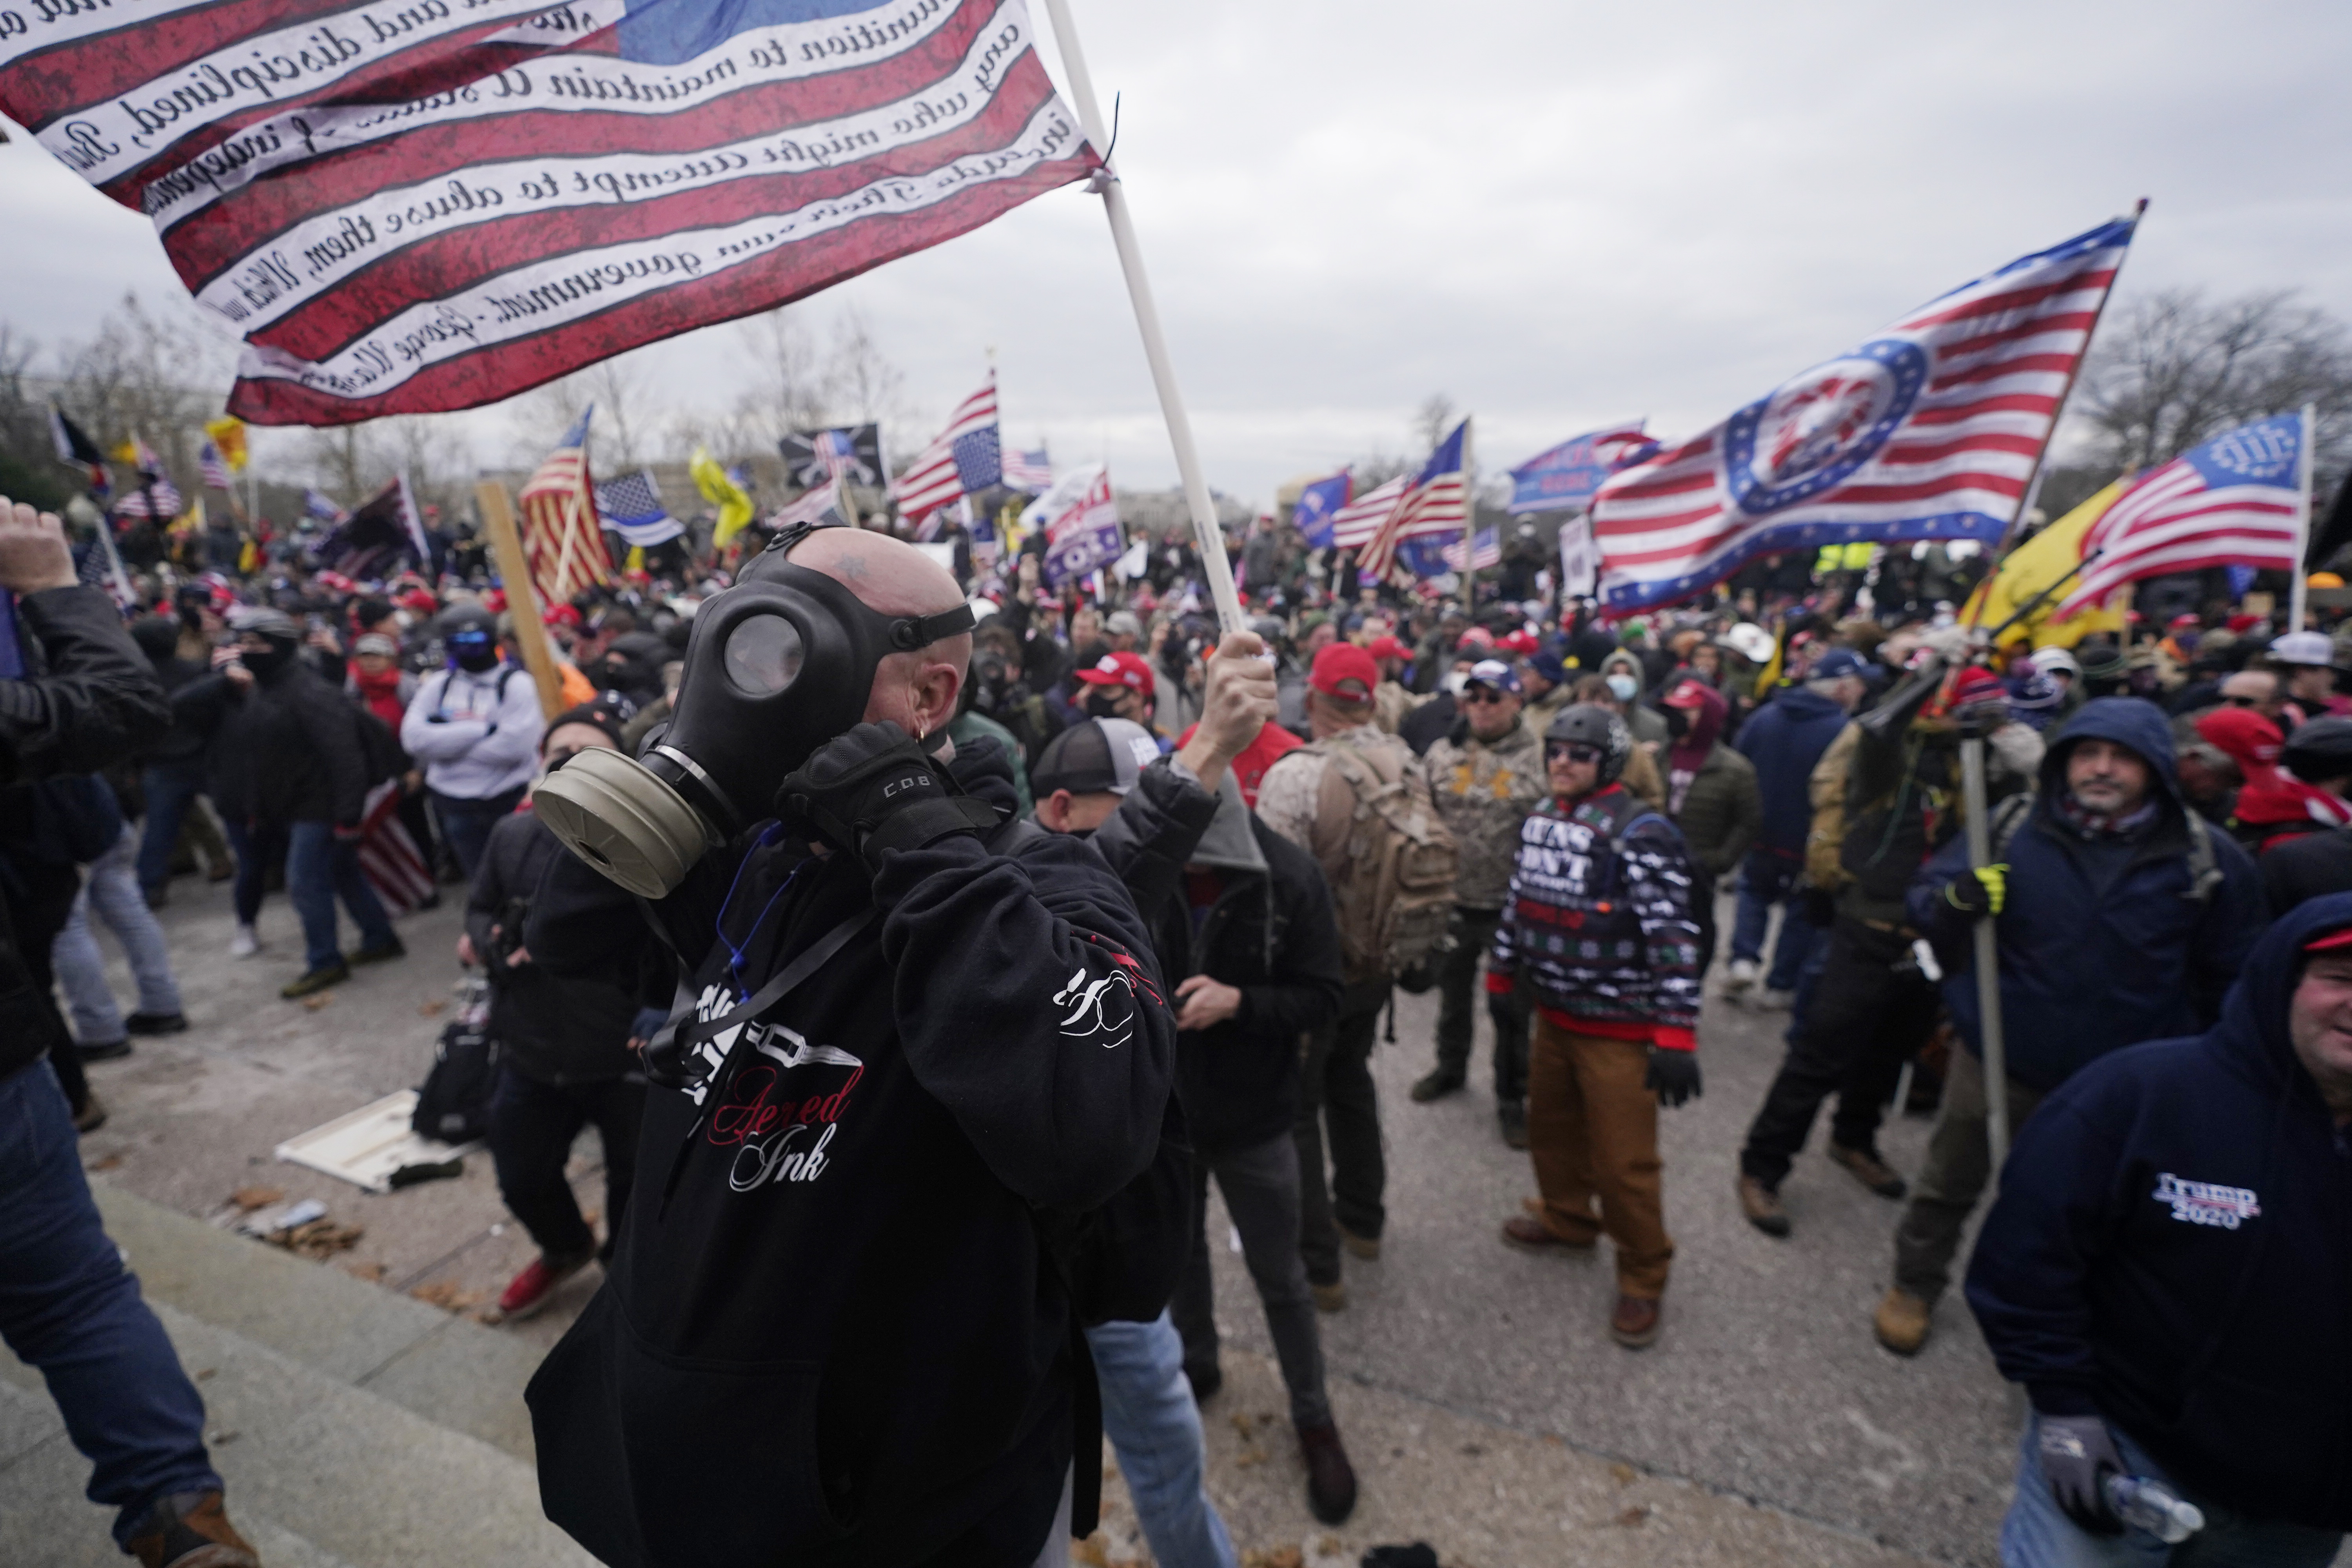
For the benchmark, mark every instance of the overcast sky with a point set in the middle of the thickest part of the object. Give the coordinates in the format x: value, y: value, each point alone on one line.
x: 1557, y: 214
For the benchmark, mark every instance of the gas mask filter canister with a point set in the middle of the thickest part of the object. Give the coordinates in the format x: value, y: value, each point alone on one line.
x: 776, y: 665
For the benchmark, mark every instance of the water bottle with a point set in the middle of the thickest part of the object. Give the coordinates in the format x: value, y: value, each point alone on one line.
x: 2151, y: 1506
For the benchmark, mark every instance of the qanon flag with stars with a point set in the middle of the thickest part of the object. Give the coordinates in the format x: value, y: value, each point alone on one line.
x: 415, y: 205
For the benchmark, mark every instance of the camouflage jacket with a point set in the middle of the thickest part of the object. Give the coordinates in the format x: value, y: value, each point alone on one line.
x: 1483, y: 791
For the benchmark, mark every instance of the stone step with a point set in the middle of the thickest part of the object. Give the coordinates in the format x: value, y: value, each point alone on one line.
x: 355, y: 1428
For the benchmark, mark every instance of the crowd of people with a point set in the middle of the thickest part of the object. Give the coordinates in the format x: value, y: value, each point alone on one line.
x: 1168, y: 883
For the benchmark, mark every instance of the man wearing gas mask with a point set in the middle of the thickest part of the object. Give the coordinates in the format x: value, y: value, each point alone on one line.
x: 838, y: 1327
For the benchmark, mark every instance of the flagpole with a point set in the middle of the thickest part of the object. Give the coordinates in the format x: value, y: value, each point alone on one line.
x: 1469, y: 530
x: 1206, y: 533
x: 2058, y: 413
x: 514, y: 572
x: 2300, y: 587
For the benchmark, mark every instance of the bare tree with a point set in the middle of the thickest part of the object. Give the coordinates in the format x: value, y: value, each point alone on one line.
x: 1433, y: 420
x: 152, y: 373
x: 2175, y: 370
x: 790, y: 389
x: 863, y: 385
x: 340, y: 458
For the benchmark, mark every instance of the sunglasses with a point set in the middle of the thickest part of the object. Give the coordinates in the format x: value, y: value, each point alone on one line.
x: 2243, y: 701
x: 1483, y: 694
x: 1574, y: 751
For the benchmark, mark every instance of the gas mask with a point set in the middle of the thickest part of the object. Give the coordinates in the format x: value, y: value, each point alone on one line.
x: 776, y: 665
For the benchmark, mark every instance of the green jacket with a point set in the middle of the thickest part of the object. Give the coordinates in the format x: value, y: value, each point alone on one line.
x: 1722, y: 810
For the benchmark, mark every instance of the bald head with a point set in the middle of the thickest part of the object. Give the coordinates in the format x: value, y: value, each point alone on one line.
x: 915, y: 690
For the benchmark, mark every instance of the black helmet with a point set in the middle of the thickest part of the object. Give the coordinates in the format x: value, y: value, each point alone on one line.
x: 459, y: 618
x: 1588, y: 724
x: 2321, y: 749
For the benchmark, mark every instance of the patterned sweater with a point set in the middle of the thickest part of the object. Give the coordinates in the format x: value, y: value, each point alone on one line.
x: 1597, y: 930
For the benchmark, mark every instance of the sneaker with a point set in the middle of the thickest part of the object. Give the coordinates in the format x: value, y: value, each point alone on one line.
x: 1367, y: 1248
x: 244, y: 943
x: 1740, y: 976
x: 191, y: 1529
x: 1530, y: 1233
x: 1762, y: 1206
x: 1636, y: 1321
x: 1437, y: 1084
x: 382, y: 953
x: 314, y: 981
x: 530, y: 1291
x: 221, y: 871
x: 103, y: 1051
x: 91, y: 1116
x: 157, y: 1023
x: 1512, y: 1115
x: 1331, y: 1479
x: 1331, y: 1298
x: 1869, y: 1170
x: 1771, y: 1001
x: 1205, y: 1381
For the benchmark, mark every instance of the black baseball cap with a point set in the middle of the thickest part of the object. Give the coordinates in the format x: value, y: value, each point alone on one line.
x: 1095, y: 756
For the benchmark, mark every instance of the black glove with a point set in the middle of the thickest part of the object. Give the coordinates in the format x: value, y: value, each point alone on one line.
x: 1502, y: 1008
x: 2078, y: 1454
x: 1672, y: 1075
x: 1819, y: 907
x: 873, y: 789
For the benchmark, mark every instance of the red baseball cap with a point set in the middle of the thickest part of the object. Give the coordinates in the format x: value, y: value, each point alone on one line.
x: 1685, y: 694
x: 1131, y: 670
x: 1341, y: 665
x: 1389, y: 648
x: 2328, y: 941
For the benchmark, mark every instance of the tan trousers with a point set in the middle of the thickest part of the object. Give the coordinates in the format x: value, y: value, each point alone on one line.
x: 1593, y: 1134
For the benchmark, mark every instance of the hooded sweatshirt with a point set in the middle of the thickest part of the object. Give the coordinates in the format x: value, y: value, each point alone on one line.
x: 2172, y: 1250
x: 1784, y: 739
x: 1711, y: 789
x: 2100, y: 943
x: 830, y: 1336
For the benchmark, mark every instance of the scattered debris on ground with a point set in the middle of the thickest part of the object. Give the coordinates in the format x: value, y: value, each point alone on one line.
x: 251, y: 1198
x: 312, y: 1004
x: 111, y: 1163
x: 373, y: 1273
x: 446, y: 1295
x: 433, y: 1009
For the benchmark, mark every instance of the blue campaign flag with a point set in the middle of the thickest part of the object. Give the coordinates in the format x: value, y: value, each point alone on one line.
x: 1564, y: 478
x: 1318, y: 503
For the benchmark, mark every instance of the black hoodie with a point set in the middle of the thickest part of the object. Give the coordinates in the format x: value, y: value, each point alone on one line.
x: 2172, y: 1249
x: 828, y: 1336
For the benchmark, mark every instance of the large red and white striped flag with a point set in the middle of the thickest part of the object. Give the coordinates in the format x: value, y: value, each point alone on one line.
x: 414, y: 205
x: 1930, y: 430
x: 962, y: 458
x: 1356, y: 522
x: 1432, y: 511
x: 562, y: 536
x: 2236, y: 500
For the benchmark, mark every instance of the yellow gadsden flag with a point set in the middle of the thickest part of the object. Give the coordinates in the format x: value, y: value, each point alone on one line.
x: 228, y: 437
x: 2033, y: 566
x: 734, y: 506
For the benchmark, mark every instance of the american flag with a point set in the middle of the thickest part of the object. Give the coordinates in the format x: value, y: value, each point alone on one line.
x: 631, y: 507
x: 1435, y: 506
x: 560, y: 534
x: 388, y: 856
x: 159, y: 499
x: 2235, y: 502
x: 961, y: 460
x: 1356, y: 523
x: 1028, y: 470
x: 1930, y: 430
x: 429, y: 205
x: 213, y: 465
x: 101, y: 568
x: 1490, y: 552
x: 322, y: 506
x: 811, y: 507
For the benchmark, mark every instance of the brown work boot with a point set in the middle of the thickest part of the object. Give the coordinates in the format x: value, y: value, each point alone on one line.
x: 1635, y: 1322
x: 1869, y: 1170
x: 191, y: 1529
x: 1762, y: 1206
x: 1367, y: 1248
x: 1331, y: 1298
x: 1331, y: 1479
x: 1903, y: 1322
x: 1531, y: 1235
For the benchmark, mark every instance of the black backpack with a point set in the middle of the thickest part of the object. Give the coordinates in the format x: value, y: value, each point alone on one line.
x: 453, y: 1103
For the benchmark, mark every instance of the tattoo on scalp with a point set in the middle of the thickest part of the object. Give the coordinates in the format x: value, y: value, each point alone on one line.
x: 851, y: 566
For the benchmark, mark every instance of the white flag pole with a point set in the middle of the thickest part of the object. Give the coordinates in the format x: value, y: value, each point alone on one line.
x: 1205, y: 530
x: 1469, y: 529
x: 2300, y: 586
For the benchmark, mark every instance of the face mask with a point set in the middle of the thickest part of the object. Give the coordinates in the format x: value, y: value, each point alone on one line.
x: 474, y: 653
x: 1677, y: 722
x: 1101, y: 704
x: 268, y: 662
x: 1622, y: 687
x: 778, y: 665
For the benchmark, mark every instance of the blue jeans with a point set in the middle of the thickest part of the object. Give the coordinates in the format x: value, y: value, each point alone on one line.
x: 1155, y: 1428
x: 2037, y: 1535
x: 466, y: 824
x: 69, y: 1307
x: 1765, y: 879
x: 320, y: 867
x: 170, y: 788
x: 111, y: 892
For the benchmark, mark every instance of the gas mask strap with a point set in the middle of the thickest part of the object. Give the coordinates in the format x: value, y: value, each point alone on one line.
x: 914, y: 632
